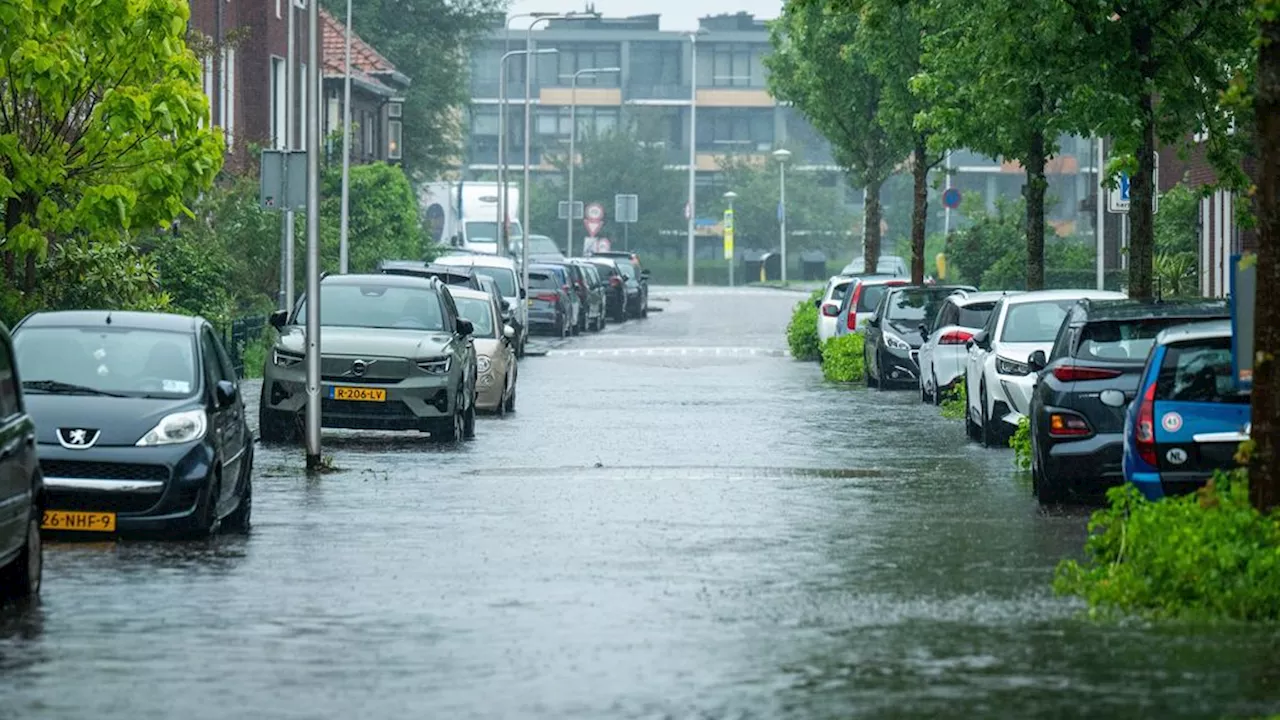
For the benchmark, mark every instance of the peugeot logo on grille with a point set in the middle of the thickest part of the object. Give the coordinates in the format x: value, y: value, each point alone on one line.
x: 359, y: 367
x: 78, y: 438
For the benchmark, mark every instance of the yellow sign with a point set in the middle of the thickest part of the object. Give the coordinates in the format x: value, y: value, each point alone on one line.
x: 941, y: 260
x: 78, y: 521
x: 728, y: 234
x: 359, y: 394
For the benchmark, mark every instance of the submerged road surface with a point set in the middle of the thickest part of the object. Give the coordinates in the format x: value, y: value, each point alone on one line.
x: 678, y: 521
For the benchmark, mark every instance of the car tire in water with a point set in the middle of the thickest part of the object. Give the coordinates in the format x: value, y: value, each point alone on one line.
x: 469, y: 420
x: 449, y: 430
x: 501, y: 408
x: 207, y: 520
x: 988, y: 436
x: 970, y: 427
x: 240, y: 520
x: 510, y: 403
x: 21, y: 579
x: 937, y: 391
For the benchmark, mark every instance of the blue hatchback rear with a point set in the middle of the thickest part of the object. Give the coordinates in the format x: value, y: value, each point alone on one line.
x: 1188, y: 417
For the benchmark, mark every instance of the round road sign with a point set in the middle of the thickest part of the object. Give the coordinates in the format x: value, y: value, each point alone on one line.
x: 595, y: 211
x: 951, y: 198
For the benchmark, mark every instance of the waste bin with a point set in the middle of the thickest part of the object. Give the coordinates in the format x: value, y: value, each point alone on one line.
x: 772, y: 266
x: 753, y: 266
x: 813, y: 265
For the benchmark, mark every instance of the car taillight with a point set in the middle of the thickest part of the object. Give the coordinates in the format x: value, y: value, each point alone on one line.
x: 955, y: 337
x: 565, y: 287
x: 1144, y: 431
x: 615, y: 281
x: 547, y: 297
x: 1072, y: 373
x: 1068, y: 425
x: 830, y: 310
x: 853, y: 309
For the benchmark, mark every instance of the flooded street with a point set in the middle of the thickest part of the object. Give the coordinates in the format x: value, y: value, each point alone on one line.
x: 678, y: 521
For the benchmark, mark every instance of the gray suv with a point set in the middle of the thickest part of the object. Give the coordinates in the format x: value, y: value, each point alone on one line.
x: 395, y: 355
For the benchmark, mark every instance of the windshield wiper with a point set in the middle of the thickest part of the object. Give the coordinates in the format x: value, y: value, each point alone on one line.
x: 63, y: 388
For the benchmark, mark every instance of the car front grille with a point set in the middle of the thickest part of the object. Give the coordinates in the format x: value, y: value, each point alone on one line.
x: 365, y: 409
x: 89, y: 469
x: 91, y: 501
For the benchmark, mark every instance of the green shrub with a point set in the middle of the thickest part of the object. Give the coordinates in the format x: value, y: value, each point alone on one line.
x: 955, y: 402
x: 842, y: 358
x: 1021, y: 444
x: 1208, y: 555
x: 255, y: 351
x: 802, y: 331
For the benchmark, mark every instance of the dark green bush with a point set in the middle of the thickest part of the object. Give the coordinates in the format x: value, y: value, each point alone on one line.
x: 1021, y: 444
x: 802, y: 331
x: 842, y: 358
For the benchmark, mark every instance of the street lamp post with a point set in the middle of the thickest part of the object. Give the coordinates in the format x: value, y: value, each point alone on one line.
x: 344, y: 247
x: 504, y: 242
x: 573, y: 136
x: 730, y: 196
x: 692, y: 210
x: 312, y: 113
x: 782, y: 155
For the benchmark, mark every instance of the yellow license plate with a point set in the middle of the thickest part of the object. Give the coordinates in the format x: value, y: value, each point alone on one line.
x: 359, y: 393
x: 78, y: 521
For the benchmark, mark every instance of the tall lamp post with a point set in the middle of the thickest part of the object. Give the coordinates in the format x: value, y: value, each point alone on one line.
x: 782, y: 155
x: 729, y: 228
x: 344, y: 247
x: 573, y: 153
x: 691, y: 209
x: 312, y: 113
x: 504, y: 242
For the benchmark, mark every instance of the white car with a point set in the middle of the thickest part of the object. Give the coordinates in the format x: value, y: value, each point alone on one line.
x: 503, y: 271
x: 945, y: 348
x: 998, y: 381
x: 829, y: 306
x: 886, y: 265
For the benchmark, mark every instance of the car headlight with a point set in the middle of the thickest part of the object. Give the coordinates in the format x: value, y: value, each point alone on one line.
x: 1005, y: 366
x: 483, y: 364
x: 179, y: 427
x: 895, y: 343
x: 284, y: 358
x: 436, y: 366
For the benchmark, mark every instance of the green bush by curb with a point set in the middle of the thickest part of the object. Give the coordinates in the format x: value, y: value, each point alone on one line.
x: 842, y: 358
x: 802, y: 331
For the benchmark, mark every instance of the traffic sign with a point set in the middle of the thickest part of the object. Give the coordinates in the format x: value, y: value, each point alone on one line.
x: 282, y: 179
x: 562, y: 210
x: 603, y: 245
x: 951, y: 198
x: 594, y: 219
x: 728, y: 234
x: 626, y: 208
x: 1118, y: 197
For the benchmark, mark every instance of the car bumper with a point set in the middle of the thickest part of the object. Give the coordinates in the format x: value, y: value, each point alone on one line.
x: 899, y: 368
x: 1155, y: 486
x: 947, y: 367
x: 1016, y: 391
x: 151, y: 490
x: 489, y: 391
x: 544, y: 318
x: 1087, y: 466
x: 411, y: 404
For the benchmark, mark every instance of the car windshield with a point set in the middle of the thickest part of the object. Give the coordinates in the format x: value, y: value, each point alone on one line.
x: 504, y: 277
x: 1121, y: 340
x: 479, y: 312
x: 919, y: 306
x: 627, y: 268
x: 378, y: 306
x: 1199, y: 371
x: 1035, y: 322
x: 107, y: 360
x: 839, y: 291
x: 480, y: 231
x: 870, y: 296
x: 974, y: 315
x: 543, y: 281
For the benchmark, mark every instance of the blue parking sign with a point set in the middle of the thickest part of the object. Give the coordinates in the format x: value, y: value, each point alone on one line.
x: 1124, y: 186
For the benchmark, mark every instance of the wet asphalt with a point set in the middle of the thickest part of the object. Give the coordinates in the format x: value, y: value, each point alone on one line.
x: 678, y: 522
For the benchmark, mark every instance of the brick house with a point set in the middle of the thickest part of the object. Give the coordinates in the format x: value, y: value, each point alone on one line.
x: 377, y: 90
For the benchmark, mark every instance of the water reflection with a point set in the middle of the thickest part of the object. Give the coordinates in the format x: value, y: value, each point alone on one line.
x: 21, y: 627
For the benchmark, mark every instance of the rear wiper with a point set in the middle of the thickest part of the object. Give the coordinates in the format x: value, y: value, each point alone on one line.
x: 62, y: 388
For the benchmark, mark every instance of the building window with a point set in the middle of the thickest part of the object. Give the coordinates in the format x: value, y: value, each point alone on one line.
x: 485, y: 66
x: 278, y: 103
x: 655, y: 68
x: 558, y: 69
x: 553, y: 123
x: 395, y: 135
x: 731, y: 65
x: 731, y: 130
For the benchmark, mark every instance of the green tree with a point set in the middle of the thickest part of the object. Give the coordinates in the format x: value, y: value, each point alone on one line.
x: 383, y: 221
x: 999, y: 80
x: 814, y: 67
x: 1157, y: 70
x: 100, y: 126
x: 816, y: 217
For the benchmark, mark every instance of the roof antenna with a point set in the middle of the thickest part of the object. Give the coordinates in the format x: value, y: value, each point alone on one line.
x: 108, y: 317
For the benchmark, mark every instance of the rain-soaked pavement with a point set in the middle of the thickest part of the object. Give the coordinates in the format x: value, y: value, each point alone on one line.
x: 678, y: 522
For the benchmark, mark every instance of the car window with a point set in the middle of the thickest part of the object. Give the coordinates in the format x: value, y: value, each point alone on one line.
x: 540, y: 245
x: 9, y: 405
x: 504, y: 277
x: 479, y: 312
x: 870, y: 296
x: 946, y: 316
x: 543, y: 281
x: 209, y: 353
x: 1198, y: 371
x: 1035, y: 322
x: 123, y: 361
x: 1062, y: 344
x: 915, y: 306
x: 627, y: 268
x: 378, y: 306
x: 1121, y: 340
x: 840, y: 290
x: 224, y: 360
x: 973, y: 315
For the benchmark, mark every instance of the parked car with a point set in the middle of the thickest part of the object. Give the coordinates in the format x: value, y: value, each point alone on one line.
x: 490, y: 287
x: 595, y: 311
x: 565, y: 277
x: 615, y: 298
x: 634, y: 258
x: 541, y: 249
x: 140, y: 425
x: 22, y: 498
x: 829, y: 305
x: 860, y: 301
x: 396, y: 356
x: 495, y: 358
x: 1077, y: 437
x: 892, y: 339
x: 998, y: 378
x: 637, y: 286
x: 891, y: 265
x: 1189, y: 417
x: 448, y: 274
x: 505, y: 272
x: 549, y: 305
x: 943, y: 354
x: 578, y: 287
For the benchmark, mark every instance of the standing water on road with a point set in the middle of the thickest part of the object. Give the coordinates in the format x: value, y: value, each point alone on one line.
x: 678, y: 521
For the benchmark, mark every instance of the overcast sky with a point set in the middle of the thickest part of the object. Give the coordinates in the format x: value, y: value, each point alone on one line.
x: 676, y: 14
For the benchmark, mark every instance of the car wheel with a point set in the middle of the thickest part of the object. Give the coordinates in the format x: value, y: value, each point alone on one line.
x: 510, y: 404
x: 501, y: 408
x: 970, y: 427
x: 276, y: 426
x: 207, y: 520
x: 21, y: 579
x: 449, y: 430
x: 937, y: 391
x: 924, y: 396
x: 866, y: 372
x: 240, y: 520
x: 469, y: 421
x: 988, y: 436
x: 520, y: 347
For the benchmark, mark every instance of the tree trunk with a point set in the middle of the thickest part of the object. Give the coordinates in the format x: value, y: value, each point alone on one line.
x: 1264, y: 465
x: 1036, y: 188
x: 1142, y: 238
x: 871, y: 225
x: 919, y: 209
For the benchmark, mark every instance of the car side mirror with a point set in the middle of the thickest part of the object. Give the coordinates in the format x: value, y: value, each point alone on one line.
x: 279, y: 318
x: 1037, y: 361
x: 225, y: 393
x: 508, y: 332
x: 980, y: 339
x: 924, y: 332
x: 465, y: 327
x: 874, y: 321
x: 523, y: 293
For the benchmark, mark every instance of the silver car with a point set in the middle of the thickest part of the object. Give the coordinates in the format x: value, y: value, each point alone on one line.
x: 943, y: 354
x: 505, y: 273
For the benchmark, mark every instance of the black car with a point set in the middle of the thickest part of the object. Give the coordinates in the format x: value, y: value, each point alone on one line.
x: 588, y: 306
x: 460, y: 275
x: 1084, y: 387
x: 21, y: 489
x: 896, y: 330
x: 616, y: 290
x: 637, y: 285
x: 139, y: 423
x: 596, y: 288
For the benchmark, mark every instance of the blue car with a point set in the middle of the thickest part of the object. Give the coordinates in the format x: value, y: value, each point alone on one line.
x: 1188, y: 417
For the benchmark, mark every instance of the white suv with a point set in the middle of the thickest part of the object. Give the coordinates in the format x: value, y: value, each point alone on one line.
x: 998, y: 381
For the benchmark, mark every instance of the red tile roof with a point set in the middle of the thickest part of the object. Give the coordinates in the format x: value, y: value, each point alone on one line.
x: 363, y: 56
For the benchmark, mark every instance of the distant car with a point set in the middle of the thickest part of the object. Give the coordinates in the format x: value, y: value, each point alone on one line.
x: 892, y: 338
x: 1188, y: 419
x: 139, y: 423
x: 541, y: 249
x: 22, y: 498
x: 396, y: 355
x: 1084, y: 385
x: 943, y: 354
x: 860, y: 300
x: 637, y: 288
x: 505, y: 272
x: 595, y: 312
x: 549, y: 304
x: 892, y: 265
x: 447, y: 274
x: 829, y: 305
x: 998, y: 378
x: 615, y: 297
x: 589, y: 302
x: 564, y: 276
x: 495, y: 358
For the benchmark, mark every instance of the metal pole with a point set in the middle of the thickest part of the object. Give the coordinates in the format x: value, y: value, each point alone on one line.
x: 502, y: 137
x: 290, y: 140
x: 344, y: 249
x: 528, y: 120
x: 313, y: 237
x: 946, y: 222
x: 693, y: 153
x: 735, y: 232
x: 573, y: 136
x: 782, y: 226
x: 1101, y: 213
